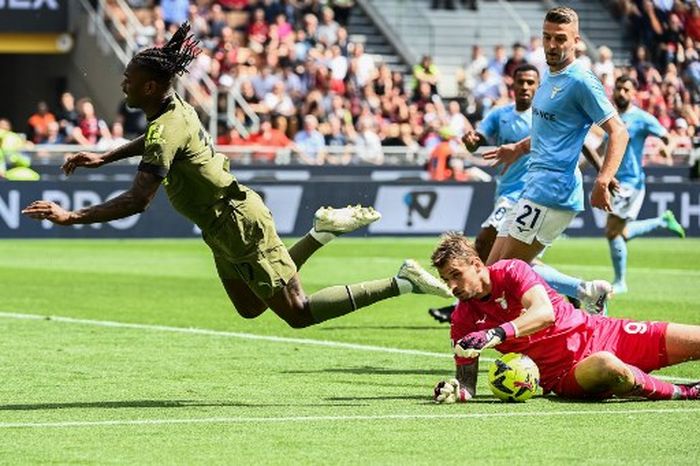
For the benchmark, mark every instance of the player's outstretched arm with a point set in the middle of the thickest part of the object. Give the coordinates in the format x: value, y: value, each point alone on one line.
x: 131, y: 202
x: 461, y: 388
x: 538, y: 314
x: 507, y: 154
x: 473, y: 140
x: 93, y: 160
x: 617, y: 143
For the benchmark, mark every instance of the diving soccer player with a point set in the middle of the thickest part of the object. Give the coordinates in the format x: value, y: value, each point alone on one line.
x: 255, y: 268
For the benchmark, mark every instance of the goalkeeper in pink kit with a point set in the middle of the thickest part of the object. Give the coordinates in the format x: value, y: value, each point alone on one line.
x: 507, y: 306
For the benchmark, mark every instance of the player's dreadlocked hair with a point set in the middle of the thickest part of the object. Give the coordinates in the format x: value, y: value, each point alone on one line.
x: 173, y: 58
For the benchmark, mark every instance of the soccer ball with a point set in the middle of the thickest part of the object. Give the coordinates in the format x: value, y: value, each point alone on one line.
x: 514, y: 377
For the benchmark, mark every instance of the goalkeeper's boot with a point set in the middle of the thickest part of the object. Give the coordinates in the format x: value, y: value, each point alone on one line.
x: 672, y: 225
x: 594, y: 296
x: 442, y: 314
x: 690, y: 391
x: 422, y: 281
x: 345, y: 220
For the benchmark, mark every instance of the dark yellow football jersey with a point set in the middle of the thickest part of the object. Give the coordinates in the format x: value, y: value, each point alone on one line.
x: 179, y: 150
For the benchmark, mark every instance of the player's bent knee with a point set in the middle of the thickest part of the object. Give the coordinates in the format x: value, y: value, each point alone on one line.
x: 295, y: 313
x: 250, y: 312
x: 608, y: 367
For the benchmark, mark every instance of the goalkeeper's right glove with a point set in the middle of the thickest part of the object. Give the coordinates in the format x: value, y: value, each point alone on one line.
x: 450, y: 391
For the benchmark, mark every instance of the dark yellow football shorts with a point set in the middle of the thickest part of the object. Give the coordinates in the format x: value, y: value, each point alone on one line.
x: 246, y: 246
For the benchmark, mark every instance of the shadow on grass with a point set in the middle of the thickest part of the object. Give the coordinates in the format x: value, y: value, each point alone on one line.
x: 152, y: 404
x: 481, y: 399
x: 369, y: 370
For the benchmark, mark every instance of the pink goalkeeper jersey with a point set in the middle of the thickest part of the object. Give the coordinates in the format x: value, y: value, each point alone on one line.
x: 555, y: 349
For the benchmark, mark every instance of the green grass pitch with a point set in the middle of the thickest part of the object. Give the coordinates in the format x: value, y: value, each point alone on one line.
x: 145, y: 362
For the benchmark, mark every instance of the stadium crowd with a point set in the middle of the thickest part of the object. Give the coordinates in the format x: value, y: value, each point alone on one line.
x: 312, y: 88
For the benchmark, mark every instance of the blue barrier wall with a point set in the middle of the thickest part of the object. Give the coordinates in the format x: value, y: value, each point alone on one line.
x: 407, y: 208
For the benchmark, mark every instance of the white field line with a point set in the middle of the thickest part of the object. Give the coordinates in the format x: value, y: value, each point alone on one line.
x: 301, y: 419
x: 252, y: 336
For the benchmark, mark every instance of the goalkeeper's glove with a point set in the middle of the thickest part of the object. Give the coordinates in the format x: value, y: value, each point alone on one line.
x: 450, y: 391
x: 472, y: 345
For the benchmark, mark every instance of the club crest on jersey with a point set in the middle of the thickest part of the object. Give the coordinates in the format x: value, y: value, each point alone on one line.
x: 502, y: 301
x: 555, y: 91
x: 154, y: 135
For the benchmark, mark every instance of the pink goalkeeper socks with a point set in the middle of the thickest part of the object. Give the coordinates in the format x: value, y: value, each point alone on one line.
x: 652, y: 388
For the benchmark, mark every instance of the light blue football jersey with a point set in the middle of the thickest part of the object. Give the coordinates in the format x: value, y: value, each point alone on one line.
x: 504, y: 125
x: 640, y: 125
x: 564, y: 107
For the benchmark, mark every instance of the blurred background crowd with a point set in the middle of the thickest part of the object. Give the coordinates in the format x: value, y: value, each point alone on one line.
x: 317, y: 93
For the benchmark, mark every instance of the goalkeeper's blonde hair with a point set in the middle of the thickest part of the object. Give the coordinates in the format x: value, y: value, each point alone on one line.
x: 453, y: 246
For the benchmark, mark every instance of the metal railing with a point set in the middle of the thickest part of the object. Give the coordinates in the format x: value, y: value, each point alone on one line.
x: 524, y: 27
x: 128, y: 46
x: 105, y: 38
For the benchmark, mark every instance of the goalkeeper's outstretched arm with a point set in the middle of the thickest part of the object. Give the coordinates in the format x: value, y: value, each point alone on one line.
x: 466, y: 376
x: 461, y: 388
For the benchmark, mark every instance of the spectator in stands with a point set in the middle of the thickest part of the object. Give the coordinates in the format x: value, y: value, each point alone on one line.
x: 328, y: 29
x: 337, y: 142
x: 53, y: 135
x: 342, y: 9
x: 497, y: 63
x: 271, y: 137
x: 258, y: 31
x: 39, y: 122
x: 67, y: 116
x: 311, y: 28
x: 469, y: 77
x: 489, y: 90
x: 604, y: 67
x: 368, y: 146
x: 133, y: 120
x: 457, y: 122
x: 112, y: 139
x: 174, y: 11
x: 516, y: 60
x: 264, y: 82
x: 217, y: 20
x: 231, y: 137
x: 312, y: 147
x: 277, y: 102
x: 441, y: 165
x: 89, y: 127
x: 582, y: 57
x: 535, y: 54
x: 363, y: 65
x: 426, y: 72
x: 284, y: 29
x: 339, y: 70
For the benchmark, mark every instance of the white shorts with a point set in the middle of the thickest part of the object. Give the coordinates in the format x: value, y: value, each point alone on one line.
x: 529, y: 220
x: 627, y: 203
x: 500, y: 211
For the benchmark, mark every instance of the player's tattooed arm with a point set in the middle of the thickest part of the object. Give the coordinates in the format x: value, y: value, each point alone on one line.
x: 131, y: 202
x: 466, y: 374
x: 130, y: 149
x: 94, y: 160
